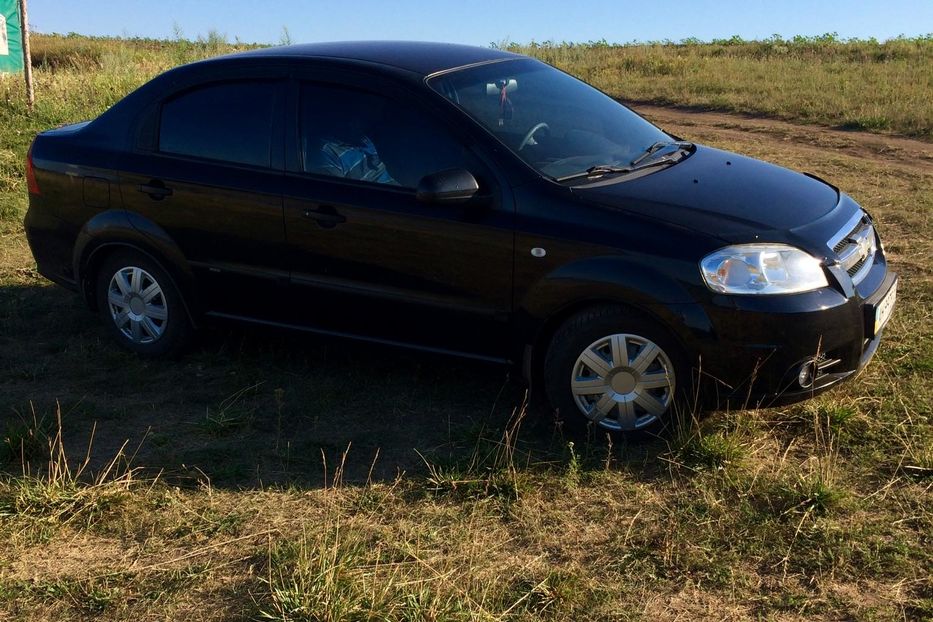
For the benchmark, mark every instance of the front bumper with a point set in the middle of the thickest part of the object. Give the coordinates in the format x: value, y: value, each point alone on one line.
x: 770, y: 351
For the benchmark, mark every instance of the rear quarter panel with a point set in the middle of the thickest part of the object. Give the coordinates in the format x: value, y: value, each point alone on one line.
x: 75, y: 182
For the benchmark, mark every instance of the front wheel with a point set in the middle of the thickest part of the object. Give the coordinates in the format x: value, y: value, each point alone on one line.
x: 140, y: 305
x: 614, y: 370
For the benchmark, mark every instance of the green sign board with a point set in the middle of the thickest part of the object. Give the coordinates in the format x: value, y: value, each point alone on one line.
x: 11, y: 37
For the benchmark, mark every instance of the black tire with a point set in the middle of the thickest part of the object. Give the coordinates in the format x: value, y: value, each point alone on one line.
x: 591, y: 326
x: 176, y: 328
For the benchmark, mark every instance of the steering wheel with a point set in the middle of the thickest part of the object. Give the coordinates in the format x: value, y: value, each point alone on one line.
x: 527, y: 140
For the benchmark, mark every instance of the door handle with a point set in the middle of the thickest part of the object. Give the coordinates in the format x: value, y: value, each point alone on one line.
x: 325, y: 215
x: 155, y: 189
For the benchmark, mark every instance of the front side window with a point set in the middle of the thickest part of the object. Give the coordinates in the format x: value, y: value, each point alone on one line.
x: 363, y: 136
x: 554, y: 122
x: 230, y: 122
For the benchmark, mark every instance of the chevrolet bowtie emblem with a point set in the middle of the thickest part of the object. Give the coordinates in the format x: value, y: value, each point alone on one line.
x: 863, y: 241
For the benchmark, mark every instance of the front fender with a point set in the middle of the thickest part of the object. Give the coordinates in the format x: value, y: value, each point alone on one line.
x: 616, y: 277
x: 649, y: 289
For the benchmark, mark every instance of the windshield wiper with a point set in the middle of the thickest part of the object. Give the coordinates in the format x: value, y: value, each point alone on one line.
x: 604, y: 169
x: 660, y: 145
x: 595, y: 171
x: 610, y: 169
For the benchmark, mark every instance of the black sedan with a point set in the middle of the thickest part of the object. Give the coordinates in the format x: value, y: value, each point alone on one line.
x: 462, y: 200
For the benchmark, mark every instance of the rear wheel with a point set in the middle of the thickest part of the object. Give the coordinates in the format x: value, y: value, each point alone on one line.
x: 614, y: 370
x: 140, y: 305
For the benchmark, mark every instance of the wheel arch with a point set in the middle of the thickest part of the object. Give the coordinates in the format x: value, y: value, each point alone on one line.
x: 116, y: 230
x: 639, y: 289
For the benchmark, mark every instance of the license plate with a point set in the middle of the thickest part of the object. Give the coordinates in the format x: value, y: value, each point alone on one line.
x: 884, y: 308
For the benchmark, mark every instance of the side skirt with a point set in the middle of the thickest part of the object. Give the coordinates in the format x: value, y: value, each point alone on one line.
x: 355, y: 337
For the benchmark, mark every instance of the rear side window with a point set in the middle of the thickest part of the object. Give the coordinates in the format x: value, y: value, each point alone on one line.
x: 229, y: 122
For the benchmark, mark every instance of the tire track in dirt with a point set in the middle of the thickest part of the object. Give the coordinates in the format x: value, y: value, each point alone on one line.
x: 908, y: 154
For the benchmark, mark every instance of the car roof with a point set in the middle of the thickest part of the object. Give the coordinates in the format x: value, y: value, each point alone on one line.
x: 419, y: 57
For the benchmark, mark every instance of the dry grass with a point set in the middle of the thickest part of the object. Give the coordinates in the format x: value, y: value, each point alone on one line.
x: 268, y: 486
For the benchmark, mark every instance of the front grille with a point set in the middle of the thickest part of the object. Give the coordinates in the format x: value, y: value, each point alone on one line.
x: 840, y: 245
x: 856, y: 266
x: 854, y: 247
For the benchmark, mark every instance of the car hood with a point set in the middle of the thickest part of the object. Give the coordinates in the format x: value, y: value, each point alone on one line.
x: 723, y: 194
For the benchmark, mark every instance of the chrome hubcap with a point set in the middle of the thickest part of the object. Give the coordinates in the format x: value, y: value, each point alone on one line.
x: 623, y: 382
x: 137, y: 305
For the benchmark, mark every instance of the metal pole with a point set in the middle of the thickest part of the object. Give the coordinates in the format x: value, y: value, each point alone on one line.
x: 27, y: 55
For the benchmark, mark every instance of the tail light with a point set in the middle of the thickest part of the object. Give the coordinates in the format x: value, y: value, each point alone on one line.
x: 31, y: 182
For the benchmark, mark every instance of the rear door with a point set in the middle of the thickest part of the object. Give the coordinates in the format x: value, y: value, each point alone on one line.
x: 367, y: 257
x: 213, y: 183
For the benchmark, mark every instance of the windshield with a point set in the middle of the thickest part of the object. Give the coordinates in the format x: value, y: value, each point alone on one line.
x: 554, y: 122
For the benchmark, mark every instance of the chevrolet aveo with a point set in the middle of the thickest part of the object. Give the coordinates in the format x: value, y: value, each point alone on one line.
x: 460, y: 200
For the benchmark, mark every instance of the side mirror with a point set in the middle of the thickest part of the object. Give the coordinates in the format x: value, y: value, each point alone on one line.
x: 453, y: 185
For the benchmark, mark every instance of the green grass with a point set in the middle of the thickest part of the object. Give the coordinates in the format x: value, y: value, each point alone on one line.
x: 867, y: 85
x: 272, y: 476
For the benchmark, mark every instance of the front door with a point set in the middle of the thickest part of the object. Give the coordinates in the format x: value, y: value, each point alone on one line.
x: 367, y: 257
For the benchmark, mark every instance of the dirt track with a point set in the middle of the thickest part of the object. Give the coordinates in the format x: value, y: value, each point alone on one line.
x: 907, y: 153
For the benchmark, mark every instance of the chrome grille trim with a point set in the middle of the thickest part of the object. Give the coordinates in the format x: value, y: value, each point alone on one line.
x: 861, y: 272
x: 845, y: 230
x: 855, y: 246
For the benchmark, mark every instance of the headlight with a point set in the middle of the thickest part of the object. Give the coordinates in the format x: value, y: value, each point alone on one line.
x: 762, y: 269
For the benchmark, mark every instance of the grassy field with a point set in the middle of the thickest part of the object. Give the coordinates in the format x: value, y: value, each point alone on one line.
x: 254, y: 480
x: 884, y: 87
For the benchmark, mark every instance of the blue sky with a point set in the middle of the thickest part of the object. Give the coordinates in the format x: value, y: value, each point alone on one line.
x: 480, y: 22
